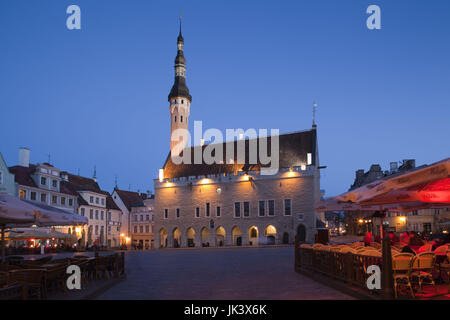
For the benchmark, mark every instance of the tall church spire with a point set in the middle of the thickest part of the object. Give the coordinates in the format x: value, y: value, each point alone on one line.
x: 179, y: 98
x: 179, y: 88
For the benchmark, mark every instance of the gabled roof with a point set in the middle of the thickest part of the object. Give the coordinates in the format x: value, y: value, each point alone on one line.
x: 131, y: 198
x: 293, y: 150
x: 110, y: 204
x: 22, y: 175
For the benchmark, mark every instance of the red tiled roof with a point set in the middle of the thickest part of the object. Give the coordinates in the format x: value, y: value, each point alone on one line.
x: 293, y: 150
x: 110, y: 204
x: 130, y: 198
x: 22, y: 175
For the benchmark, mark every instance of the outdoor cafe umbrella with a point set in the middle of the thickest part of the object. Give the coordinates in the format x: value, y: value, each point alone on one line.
x: 38, y: 234
x: 15, y: 212
x: 428, y: 184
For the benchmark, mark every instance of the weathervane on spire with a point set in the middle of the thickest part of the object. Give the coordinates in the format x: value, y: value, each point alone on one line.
x: 314, y: 113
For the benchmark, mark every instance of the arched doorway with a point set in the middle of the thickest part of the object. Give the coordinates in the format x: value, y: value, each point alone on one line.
x: 220, y: 236
x: 162, y: 238
x: 236, y: 234
x: 285, y: 238
x: 253, y: 236
x: 301, y: 232
x: 205, y: 237
x: 176, y: 238
x: 190, y: 236
x: 270, y: 233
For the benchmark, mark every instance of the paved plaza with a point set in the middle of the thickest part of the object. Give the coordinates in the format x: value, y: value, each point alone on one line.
x: 216, y: 273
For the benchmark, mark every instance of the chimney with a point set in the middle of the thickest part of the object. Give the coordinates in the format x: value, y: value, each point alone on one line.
x: 24, y: 157
x: 394, y: 167
x: 359, y: 173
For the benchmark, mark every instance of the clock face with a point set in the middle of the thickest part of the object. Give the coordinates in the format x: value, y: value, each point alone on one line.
x: 219, y: 190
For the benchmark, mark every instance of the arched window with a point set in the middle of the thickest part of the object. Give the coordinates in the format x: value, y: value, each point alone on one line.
x: 253, y: 233
x: 175, y: 119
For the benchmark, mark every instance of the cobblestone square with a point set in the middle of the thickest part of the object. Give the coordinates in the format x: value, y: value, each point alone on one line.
x: 264, y: 273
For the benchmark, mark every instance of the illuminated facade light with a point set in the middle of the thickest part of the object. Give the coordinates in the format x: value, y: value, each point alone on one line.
x: 161, y: 175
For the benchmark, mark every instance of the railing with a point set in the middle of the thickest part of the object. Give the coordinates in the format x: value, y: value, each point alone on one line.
x: 349, y: 268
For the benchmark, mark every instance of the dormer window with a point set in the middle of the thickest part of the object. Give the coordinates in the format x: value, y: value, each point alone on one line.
x: 43, y: 181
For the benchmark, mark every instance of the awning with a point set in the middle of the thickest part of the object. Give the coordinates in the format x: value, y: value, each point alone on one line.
x: 430, y: 184
x: 426, y: 187
x: 37, y: 234
x: 15, y: 212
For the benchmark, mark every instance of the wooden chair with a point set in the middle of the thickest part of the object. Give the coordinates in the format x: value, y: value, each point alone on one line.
x: 422, y: 268
x: 101, y: 267
x: 347, y: 250
x: 56, y: 279
x: 402, y: 268
x: 32, y: 281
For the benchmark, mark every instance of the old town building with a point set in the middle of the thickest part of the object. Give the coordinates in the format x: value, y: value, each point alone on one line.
x: 49, y: 185
x: 232, y: 202
x: 137, y: 208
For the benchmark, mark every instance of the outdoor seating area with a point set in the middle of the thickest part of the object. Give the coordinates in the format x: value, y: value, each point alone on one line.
x: 36, y: 279
x: 422, y: 274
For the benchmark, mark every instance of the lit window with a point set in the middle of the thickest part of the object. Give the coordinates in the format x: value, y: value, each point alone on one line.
x: 23, y: 194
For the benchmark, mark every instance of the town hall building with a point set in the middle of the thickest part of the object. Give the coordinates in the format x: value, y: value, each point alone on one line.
x: 231, y: 203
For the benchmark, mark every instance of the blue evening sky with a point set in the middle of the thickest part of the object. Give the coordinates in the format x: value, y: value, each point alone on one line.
x: 98, y: 96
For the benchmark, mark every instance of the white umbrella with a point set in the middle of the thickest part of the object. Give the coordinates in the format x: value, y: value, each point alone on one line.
x: 15, y: 212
